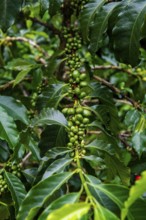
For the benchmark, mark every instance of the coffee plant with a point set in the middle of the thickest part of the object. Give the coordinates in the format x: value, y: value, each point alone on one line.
x: 73, y: 109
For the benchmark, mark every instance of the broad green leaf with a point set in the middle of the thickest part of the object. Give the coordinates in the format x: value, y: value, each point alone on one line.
x: 103, y: 214
x: 39, y: 194
x: 100, y: 25
x: 4, y: 151
x: 52, y: 95
x: 141, y: 125
x: 8, y: 129
x: 137, y: 210
x: 116, y: 193
x: 29, y: 143
x: 57, y: 166
x: 16, y: 188
x: 54, y: 6
x: 14, y: 108
x: 21, y: 75
x: 50, y: 116
x: 116, y: 167
x: 87, y: 16
x: 9, y: 11
x: 139, y: 142
x: 57, y: 151
x: 132, y: 117
x: 58, y: 203
x: 44, y: 5
x: 4, y: 211
x: 57, y: 137
x: 135, y: 192
x: 20, y: 64
x: 127, y: 31
x: 70, y: 211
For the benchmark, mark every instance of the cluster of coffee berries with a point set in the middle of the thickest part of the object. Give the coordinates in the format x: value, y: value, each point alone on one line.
x: 78, y: 5
x: 35, y: 94
x: 3, y: 185
x: 73, y: 45
x: 13, y: 168
x: 78, y: 121
x: 78, y: 81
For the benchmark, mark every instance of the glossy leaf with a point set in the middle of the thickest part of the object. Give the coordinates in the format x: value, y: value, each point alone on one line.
x: 4, y: 211
x: 127, y: 31
x: 100, y: 25
x: 87, y: 16
x: 9, y: 10
x: 135, y: 192
x: 116, y: 193
x: 57, y: 166
x: 58, y: 203
x: 16, y: 188
x: 14, y: 108
x: 28, y: 142
x: 103, y: 214
x: 50, y: 116
x: 139, y: 142
x: 52, y: 96
x: 8, y: 130
x: 39, y: 194
x: 116, y: 167
x: 70, y: 211
x: 21, y: 75
x: 54, y: 6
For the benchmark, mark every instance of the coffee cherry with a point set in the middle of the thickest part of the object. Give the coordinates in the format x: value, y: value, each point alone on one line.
x: 83, y: 76
x: 76, y: 74
x: 79, y: 110
x: 83, y: 83
x: 64, y: 110
x: 86, y: 121
x: 86, y: 113
x: 71, y: 111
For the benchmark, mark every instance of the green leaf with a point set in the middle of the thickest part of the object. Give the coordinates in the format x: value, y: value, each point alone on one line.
x: 57, y: 166
x: 54, y: 6
x: 116, y: 167
x: 29, y: 143
x: 103, y: 214
x: 127, y: 31
x: 50, y: 116
x: 70, y: 211
x: 116, y: 193
x: 39, y: 194
x: 16, y: 188
x: 58, y: 203
x: 132, y: 118
x: 139, y: 142
x: 135, y: 192
x: 44, y: 5
x: 21, y: 76
x: 100, y: 25
x: 20, y: 64
x: 52, y: 95
x: 9, y: 10
x: 4, y: 211
x: 14, y: 108
x: 87, y: 16
x: 8, y: 129
x: 57, y: 151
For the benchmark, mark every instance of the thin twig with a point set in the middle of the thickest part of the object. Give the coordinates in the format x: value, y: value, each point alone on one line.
x: 118, y: 91
x: 114, y: 68
x: 29, y: 41
x: 7, y: 85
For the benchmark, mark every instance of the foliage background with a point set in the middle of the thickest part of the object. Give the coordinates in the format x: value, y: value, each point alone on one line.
x: 55, y: 181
